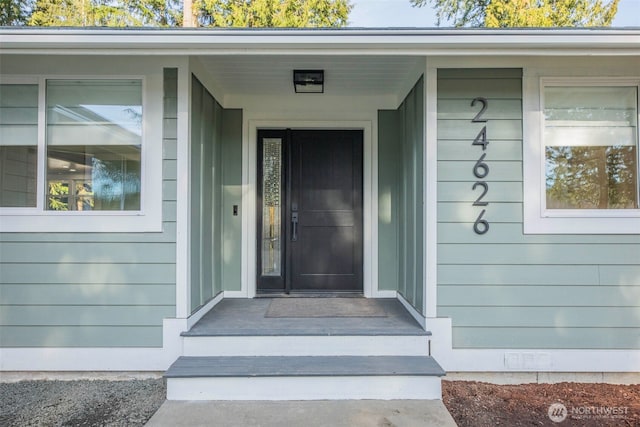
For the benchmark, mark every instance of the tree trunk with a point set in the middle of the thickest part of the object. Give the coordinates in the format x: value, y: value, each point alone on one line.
x: 188, y: 18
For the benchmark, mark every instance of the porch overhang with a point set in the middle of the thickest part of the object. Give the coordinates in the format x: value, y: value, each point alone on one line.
x: 391, y: 41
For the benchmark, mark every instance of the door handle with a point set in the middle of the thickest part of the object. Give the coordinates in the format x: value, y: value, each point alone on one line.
x: 294, y: 226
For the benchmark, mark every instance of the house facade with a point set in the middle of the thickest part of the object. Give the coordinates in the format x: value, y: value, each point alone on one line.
x: 487, y: 179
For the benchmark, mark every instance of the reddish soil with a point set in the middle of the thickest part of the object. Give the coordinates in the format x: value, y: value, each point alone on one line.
x: 477, y: 404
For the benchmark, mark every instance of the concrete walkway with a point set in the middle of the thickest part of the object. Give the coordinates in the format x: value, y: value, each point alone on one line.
x: 334, y: 413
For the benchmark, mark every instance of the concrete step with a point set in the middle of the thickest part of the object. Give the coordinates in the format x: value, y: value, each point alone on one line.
x: 308, y: 345
x: 304, y: 378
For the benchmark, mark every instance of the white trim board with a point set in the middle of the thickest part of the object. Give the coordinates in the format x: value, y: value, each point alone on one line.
x: 525, y: 360
x: 195, y: 317
x: 183, y: 199
x: 99, y: 359
x: 412, y: 311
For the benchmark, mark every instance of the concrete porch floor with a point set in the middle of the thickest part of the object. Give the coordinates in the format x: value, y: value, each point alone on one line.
x: 240, y: 317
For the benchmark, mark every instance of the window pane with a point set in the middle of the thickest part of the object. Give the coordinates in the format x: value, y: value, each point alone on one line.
x: 94, y: 137
x: 18, y: 145
x: 271, y: 205
x: 591, y: 149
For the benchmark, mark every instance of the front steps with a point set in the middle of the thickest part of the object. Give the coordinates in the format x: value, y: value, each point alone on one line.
x: 236, y: 353
x: 304, y: 378
x: 306, y: 345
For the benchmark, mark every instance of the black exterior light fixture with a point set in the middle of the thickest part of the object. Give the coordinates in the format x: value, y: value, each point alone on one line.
x: 308, y: 81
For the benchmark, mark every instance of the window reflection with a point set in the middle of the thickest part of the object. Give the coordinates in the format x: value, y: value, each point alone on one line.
x: 271, y: 206
x: 591, y: 153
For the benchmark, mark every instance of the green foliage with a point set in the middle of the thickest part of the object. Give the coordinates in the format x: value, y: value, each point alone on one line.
x: 169, y: 13
x: 109, y: 13
x: 603, y: 177
x: 524, y: 13
x: 58, y: 196
x: 15, y: 12
x: 272, y: 13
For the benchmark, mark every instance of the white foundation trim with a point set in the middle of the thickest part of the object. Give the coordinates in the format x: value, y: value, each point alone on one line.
x: 304, y: 388
x: 370, y: 187
x: 98, y: 359
x: 412, y: 311
x: 525, y: 360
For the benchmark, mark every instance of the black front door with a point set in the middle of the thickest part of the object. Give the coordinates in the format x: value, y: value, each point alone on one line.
x: 309, y: 210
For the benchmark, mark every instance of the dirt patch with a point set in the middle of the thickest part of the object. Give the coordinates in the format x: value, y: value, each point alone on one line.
x: 480, y: 404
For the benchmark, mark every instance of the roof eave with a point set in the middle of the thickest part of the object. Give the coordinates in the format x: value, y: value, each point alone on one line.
x: 197, y: 41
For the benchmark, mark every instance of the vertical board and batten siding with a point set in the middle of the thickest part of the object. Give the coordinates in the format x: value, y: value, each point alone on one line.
x: 231, y: 196
x: 401, y: 195
x: 206, y: 126
x: 216, y: 174
x: 94, y: 289
x: 505, y: 289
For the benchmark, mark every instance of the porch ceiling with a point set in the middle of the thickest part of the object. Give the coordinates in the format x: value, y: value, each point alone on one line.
x: 343, y: 75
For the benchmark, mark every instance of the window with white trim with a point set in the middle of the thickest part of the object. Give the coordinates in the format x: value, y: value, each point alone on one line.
x: 71, y: 152
x: 94, y: 140
x: 586, y: 159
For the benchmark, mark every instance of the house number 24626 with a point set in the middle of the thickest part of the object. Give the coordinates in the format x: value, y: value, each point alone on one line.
x: 480, y: 168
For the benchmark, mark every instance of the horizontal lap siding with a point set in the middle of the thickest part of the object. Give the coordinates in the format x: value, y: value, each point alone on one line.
x: 505, y: 289
x: 94, y: 289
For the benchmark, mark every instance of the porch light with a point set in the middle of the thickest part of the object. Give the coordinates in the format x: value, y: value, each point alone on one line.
x: 308, y: 81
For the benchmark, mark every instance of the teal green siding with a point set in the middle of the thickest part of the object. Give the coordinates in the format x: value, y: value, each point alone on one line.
x: 505, y: 289
x: 216, y: 174
x: 401, y: 197
x: 231, y: 196
x: 94, y: 289
x: 388, y: 198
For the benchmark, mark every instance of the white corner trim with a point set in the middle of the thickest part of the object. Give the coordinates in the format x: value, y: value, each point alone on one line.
x: 431, y: 192
x: 195, y: 317
x: 183, y: 199
x: 525, y: 360
x: 412, y: 311
x: 99, y: 359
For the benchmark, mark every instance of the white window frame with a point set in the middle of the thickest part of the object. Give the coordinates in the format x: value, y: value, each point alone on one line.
x: 537, y: 218
x: 147, y: 219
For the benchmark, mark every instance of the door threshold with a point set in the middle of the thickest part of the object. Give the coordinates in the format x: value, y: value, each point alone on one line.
x: 310, y: 295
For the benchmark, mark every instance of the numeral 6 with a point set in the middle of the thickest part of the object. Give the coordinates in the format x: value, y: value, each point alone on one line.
x: 481, y: 169
x: 481, y: 226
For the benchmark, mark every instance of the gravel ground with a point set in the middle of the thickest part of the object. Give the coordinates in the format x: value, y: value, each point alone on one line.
x: 80, y: 403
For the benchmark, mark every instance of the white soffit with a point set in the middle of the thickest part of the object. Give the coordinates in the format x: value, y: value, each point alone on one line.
x: 352, y: 75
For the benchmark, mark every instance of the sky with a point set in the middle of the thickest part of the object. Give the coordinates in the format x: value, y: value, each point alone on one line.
x: 399, y: 13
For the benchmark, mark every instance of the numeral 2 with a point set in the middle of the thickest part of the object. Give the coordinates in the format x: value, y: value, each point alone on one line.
x: 484, y: 193
x: 484, y: 103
